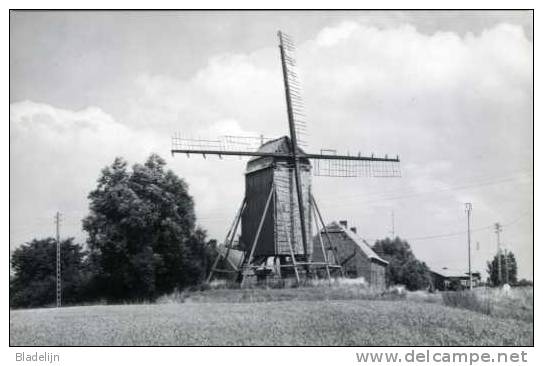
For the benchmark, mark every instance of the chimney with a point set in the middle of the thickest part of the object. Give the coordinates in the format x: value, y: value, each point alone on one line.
x: 343, y: 223
x: 353, y: 229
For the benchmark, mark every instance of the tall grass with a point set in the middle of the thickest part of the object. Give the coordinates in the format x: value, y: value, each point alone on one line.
x: 314, y: 290
x: 467, y: 300
x: 517, y: 303
x: 280, y: 323
x: 315, y: 314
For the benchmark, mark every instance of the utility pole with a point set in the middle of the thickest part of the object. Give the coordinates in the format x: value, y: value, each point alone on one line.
x: 497, y: 230
x: 393, y: 231
x: 468, y: 211
x: 506, y: 263
x: 59, y: 280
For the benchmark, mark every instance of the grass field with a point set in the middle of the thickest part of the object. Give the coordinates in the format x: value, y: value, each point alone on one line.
x: 254, y: 317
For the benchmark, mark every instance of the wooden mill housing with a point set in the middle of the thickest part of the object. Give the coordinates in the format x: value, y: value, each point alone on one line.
x: 280, y: 235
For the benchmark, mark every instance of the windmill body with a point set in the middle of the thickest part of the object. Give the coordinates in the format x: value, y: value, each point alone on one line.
x: 278, y: 211
x: 281, y: 231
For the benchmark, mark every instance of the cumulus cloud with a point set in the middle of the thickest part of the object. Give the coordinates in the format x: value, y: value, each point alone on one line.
x: 55, y: 158
x: 457, y: 108
x: 330, y: 36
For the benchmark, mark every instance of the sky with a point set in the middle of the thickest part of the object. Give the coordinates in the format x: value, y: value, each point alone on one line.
x: 450, y: 92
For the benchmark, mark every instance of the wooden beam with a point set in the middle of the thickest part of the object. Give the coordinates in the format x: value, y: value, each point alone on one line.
x: 228, y: 241
x: 324, y: 256
x: 293, y: 260
x: 326, y: 231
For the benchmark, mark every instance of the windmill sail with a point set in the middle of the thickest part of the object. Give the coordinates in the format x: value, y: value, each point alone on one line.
x: 294, y: 89
x: 327, y: 163
x: 357, y: 166
x: 221, y: 145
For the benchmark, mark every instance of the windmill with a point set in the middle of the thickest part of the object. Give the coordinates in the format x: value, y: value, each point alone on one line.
x: 278, y: 209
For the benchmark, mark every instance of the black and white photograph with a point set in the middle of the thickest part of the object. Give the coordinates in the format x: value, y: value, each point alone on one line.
x: 332, y: 178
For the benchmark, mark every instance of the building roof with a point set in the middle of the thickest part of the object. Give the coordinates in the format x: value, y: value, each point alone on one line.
x: 278, y: 145
x: 357, y: 239
x: 446, y: 272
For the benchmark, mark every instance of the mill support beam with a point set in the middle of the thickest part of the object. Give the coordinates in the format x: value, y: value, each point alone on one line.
x: 326, y: 232
x: 228, y: 240
x: 319, y: 235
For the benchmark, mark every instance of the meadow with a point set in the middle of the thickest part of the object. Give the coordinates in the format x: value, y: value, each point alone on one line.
x: 315, y: 316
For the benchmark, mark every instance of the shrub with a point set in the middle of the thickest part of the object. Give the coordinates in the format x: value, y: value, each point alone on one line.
x: 467, y: 300
x: 524, y: 283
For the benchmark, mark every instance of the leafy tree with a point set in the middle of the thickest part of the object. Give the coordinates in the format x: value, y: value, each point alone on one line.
x: 142, y: 233
x: 403, y: 267
x: 508, y: 269
x: 33, y: 282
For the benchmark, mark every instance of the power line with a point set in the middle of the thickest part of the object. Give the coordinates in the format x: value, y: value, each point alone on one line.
x: 337, y: 199
x: 457, y: 233
x: 482, y: 180
x: 409, y: 195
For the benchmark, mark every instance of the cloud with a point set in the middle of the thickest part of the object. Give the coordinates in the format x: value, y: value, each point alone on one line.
x: 56, y: 156
x: 246, y: 88
x: 330, y: 36
x: 457, y: 108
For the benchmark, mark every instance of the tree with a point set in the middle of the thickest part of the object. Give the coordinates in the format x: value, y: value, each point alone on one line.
x: 34, y: 273
x: 142, y: 234
x: 403, y: 267
x: 508, y: 269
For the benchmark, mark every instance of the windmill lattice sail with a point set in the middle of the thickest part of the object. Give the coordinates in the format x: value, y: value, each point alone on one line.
x: 294, y: 88
x: 325, y: 164
x: 218, y: 145
x: 345, y: 168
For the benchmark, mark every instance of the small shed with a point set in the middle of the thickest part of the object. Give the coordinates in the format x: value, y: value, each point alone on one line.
x: 353, y: 253
x: 445, y: 279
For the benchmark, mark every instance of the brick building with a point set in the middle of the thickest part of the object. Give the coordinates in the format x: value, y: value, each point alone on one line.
x: 353, y: 253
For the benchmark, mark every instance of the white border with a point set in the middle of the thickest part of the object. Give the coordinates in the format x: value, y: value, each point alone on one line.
x: 243, y: 356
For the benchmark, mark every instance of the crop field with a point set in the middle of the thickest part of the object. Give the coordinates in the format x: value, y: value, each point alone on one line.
x: 273, y: 317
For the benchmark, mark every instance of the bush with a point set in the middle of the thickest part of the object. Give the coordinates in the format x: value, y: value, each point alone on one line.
x: 467, y: 300
x: 523, y: 283
x: 517, y: 303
